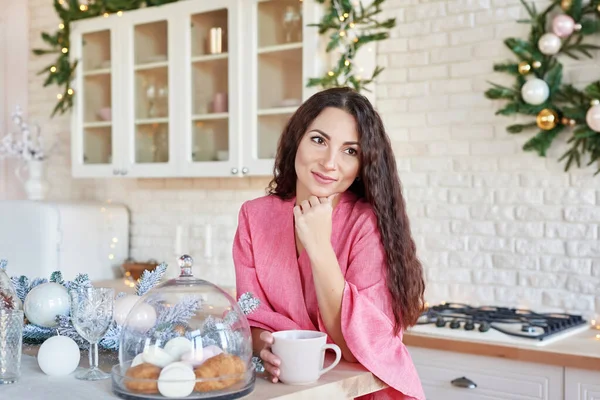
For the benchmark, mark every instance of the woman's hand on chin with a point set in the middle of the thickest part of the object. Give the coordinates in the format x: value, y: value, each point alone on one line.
x: 313, y: 222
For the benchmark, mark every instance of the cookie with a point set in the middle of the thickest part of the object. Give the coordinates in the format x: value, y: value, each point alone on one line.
x: 176, y: 381
x: 223, y: 365
x: 142, y: 378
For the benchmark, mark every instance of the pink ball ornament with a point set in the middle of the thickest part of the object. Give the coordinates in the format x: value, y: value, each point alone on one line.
x: 593, y: 118
x: 563, y: 25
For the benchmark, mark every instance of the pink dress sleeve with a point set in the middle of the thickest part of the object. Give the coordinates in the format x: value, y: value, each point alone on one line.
x: 367, y: 317
x: 247, y: 279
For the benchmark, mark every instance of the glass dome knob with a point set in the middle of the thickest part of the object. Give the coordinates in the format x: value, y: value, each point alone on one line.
x: 185, y: 264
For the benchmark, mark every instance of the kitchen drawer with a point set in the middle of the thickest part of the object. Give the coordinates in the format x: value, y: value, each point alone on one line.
x: 582, y: 384
x: 495, y: 378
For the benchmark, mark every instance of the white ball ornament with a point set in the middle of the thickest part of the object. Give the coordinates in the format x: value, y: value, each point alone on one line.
x: 549, y: 44
x: 535, y: 91
x: 141, y: 317
x: 44, y: 302
x: 592, y: 117
x: 58, y: 356
x: 122, y: 307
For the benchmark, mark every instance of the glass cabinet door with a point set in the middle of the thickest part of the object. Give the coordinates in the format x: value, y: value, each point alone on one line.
x: 282, y: 62
x: 279, y: 74
x: 149, y: 55
x: 212, y: 92
x: 94, y: 146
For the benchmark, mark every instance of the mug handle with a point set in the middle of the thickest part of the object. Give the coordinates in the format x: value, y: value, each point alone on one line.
x: 338, y: 357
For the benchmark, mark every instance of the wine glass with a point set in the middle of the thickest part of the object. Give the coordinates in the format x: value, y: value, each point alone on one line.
x: 92, y: 314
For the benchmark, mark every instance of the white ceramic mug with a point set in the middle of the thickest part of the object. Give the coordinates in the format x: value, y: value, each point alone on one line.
x: 302, y: 354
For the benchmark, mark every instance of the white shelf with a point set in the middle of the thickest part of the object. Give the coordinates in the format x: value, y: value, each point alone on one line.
x: 147, y: 121
x: 210, y: 57
x: 280, y: 47
x: 213, y: 116
x: 277, y: 110
x: 99, y: 124
x: 101, y: 71
x: 153, y: 65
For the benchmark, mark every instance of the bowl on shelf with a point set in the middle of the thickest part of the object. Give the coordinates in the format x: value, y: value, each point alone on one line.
x: 135, y: 269
x: 105, y: 113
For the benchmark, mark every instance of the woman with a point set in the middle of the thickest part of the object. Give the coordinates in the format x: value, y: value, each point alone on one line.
x: 329, y: 248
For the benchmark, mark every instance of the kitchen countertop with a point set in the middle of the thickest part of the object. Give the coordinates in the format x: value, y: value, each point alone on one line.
x: 345, y: 381
x: 581, y: 350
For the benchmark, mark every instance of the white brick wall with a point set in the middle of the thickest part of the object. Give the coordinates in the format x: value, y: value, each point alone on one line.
x: 492, y: 224
x: 499, y: 225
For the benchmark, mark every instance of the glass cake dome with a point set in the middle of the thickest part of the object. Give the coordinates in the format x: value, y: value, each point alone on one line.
x: 185, y: 338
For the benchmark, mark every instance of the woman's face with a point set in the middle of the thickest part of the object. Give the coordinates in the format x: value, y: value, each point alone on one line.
x: 328, y: 157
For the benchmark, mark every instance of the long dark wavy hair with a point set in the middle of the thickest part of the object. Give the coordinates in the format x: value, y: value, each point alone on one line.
x: 378, y: 183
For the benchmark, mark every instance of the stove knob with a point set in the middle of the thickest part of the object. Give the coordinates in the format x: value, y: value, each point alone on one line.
x: 469, y: 326
x: 440, y: 322
x: 454, y: 324
x: 484, y: 326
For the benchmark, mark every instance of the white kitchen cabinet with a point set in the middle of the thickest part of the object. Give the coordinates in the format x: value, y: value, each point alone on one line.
x: 582, y: 384
x: 192, y: 88
x: 96, y: 134
x: 454, y: 376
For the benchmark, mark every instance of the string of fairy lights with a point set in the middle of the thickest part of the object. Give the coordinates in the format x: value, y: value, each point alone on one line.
x: 349, y: 25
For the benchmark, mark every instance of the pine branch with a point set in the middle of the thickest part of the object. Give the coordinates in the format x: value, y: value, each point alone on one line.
x: 501, y: 92
x: 111, y: 339
x: 589, y: 27
x: 593, y: 90
x: 518, y: 128
x: 542, y: 141
x: 575, y: 10
x: 21, y: 285
x: 584, y: 132
x: 554, y: 78
x: 56, y: 277
x: 572, y: 155
x: 3, y: 264
x: 248, y: 303
x: 65, y: 328
x: 149, y: 279
x: 81, y: 281
x: 511, y: 68
x: 179, y: 313
x: 33, y: 334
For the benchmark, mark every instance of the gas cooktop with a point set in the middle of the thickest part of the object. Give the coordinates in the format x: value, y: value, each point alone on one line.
x: 498, y: 324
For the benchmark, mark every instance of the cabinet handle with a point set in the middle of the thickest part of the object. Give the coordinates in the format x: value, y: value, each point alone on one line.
x: 234, y: 171
x: 124, y: 172
x: 464, y: 382
x: 116, y: 172
x: 245, y: 170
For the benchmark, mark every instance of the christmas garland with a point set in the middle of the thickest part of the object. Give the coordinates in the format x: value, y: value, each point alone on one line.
x: 539, y: 91
x: 353, y: 26
x: 170, y: 319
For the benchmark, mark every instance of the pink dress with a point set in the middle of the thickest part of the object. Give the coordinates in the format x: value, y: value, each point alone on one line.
x: 264, y: 254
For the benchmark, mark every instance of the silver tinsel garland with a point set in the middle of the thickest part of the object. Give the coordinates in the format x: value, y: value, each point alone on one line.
x: 169, y: 317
